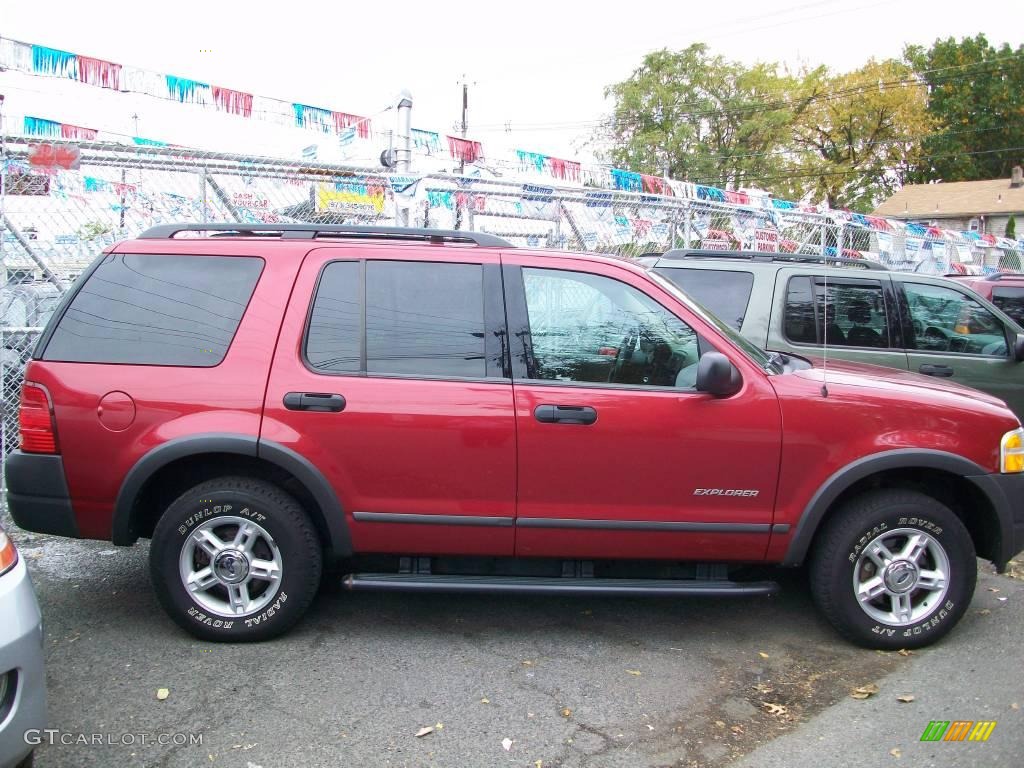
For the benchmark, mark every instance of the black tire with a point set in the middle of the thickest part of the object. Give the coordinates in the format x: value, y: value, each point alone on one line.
x: 283, y: 536
x: 840, y: 555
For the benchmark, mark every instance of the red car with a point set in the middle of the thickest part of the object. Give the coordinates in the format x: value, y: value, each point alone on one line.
x: 429, y: 410
x: 1004, y: 289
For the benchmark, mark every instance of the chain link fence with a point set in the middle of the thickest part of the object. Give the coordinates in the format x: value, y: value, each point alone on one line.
x: 62, y: 203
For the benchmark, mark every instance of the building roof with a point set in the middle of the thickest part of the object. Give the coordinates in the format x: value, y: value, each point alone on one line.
x: 958, y: 198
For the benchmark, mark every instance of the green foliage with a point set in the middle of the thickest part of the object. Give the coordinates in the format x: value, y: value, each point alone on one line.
x: 702, y: 116
x: 857, y: 138
x: 976, y: 96
x: 718, y: 122
x: 1011, y: 227
x: 94, y: 229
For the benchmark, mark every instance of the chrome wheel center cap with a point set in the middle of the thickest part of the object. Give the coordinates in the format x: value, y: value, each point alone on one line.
x: 901, y: 576
x: 231, y: 566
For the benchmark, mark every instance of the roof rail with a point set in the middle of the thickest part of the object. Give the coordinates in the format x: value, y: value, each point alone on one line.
x: 768, y: 256
x: 996, y: 276
x: 310, y: 231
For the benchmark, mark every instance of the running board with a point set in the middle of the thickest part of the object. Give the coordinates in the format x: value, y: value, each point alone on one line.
x: 413, y: 582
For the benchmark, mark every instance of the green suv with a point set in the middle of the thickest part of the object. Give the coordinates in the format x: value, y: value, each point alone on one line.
x: 867, y: 314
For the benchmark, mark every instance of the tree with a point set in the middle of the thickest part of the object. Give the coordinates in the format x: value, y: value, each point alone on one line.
x: 702, y: 117
x: 976, y: 96
x: 1011, y: 227
x: 859, y: 134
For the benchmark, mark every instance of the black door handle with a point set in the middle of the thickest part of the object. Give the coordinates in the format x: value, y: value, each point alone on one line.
x: 313, y: 401
x: 565, y: 414
x: 941, y: 371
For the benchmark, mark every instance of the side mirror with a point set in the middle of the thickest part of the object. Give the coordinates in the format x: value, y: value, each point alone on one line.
x: 717, y: 376
x: 1018, y: 348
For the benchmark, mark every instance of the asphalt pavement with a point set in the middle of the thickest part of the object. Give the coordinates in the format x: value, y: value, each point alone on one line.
x: 519, y: 681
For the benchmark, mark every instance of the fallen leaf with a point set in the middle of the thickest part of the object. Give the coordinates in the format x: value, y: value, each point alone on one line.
x: 993, y: 589
x: 763, y: 688
x: 1015, y: 705
x: 895, y: 752
x: 424, y: 731
x: 162, y: 693
x: 527, y: 663
x: 905, y: 698
x: 539, y: 763
x: 566, y: 712
x: 984, y: 612
x: 905, y: 652
x: 762, y: 654
x: 485, y: 700
x: 774, y: 709
x: 439, y: 726
x: 634, y: 672
x: 864, y: 691
x: 737, y: 729
x: 720, y: 723
x: 507, y: 744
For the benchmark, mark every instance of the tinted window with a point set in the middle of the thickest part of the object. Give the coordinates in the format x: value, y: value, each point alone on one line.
x: 425, y: 318
x: 156, y: 310
x: 852, y: 315
x: 334, y: 337
x: 1011, y: 301
x: 587, y: 328
x: 945, y: 320
x: 723, y: 292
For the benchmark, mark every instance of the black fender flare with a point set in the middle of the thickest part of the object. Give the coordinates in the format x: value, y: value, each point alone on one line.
x: 900, y: 458
x: 339, y: 541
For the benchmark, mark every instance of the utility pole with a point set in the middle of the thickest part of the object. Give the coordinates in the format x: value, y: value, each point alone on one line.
x: 465, y: 107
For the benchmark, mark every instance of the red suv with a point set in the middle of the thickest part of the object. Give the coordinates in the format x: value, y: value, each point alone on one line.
x: 1004, y: 289
x: 428, y: 410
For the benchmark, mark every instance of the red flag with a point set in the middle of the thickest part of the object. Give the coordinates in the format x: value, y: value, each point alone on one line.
x: 104, y: 74
x: 54, y: 156
x: 343, y: 120
x: 235, y: 102
x: 77, y: 132
x: 465, y: 150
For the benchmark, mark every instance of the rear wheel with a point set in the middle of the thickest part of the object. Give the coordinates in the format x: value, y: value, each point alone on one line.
x: 893, y: 569
x: 235, y: 559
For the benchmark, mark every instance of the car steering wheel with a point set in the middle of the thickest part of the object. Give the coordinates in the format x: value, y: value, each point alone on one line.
x: 936, y: 338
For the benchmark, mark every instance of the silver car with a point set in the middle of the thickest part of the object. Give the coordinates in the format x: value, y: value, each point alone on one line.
x: 22, y: 681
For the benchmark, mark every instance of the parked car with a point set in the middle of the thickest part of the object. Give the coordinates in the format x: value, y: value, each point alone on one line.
x: 431, y: 410
x: 1004, y: 289
x: 22, y: 682
x: 793, y: 304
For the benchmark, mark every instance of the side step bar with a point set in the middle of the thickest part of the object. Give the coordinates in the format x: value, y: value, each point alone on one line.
x: 413, y: 582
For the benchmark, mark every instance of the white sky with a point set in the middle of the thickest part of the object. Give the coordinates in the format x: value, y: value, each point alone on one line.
x: 541, y: 66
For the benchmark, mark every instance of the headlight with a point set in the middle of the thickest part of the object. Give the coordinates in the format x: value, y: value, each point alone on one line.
x: 1011, y: 451
x: 8, y: 554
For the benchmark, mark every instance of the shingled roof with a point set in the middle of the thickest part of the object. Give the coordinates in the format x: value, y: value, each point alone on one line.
x: 958, y: 198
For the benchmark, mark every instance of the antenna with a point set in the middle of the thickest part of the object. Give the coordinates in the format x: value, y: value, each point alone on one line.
x: 824, y: 347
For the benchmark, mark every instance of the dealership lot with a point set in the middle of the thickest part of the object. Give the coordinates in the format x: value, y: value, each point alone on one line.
x: 570, y: 681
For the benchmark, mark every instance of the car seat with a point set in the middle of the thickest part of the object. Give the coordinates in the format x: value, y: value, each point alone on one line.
x: 859, y: 313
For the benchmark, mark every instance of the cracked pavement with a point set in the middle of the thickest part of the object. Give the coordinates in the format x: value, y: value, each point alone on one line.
x: 571, y: 681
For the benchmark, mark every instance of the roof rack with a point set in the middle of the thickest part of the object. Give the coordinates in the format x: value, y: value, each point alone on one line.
x: 767, y: 256
x: 996, y: 276
x: 310, y: 231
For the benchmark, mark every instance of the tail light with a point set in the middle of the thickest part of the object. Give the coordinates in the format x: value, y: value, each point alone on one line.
x: 35, y: 420
x: 8, y: 555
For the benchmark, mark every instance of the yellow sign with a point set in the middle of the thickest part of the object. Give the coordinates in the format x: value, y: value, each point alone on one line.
x: 350, y: 197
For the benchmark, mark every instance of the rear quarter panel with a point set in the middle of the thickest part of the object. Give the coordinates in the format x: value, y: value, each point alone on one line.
x: 170, y: 402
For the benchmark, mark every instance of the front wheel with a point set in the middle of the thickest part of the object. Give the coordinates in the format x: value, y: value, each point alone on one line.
x: 893, y: 569
x: 235, y: 559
